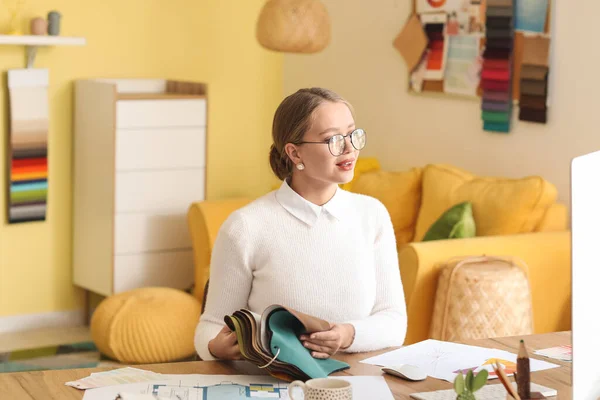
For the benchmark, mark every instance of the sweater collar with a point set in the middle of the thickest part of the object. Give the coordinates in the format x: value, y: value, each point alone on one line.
x: 309, y: 212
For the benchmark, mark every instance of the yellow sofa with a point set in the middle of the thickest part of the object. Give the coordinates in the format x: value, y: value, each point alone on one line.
x: 544, y: 244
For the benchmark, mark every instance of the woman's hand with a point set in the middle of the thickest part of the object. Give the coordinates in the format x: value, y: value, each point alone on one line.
x: 326, y: 343
x: 224, y: 346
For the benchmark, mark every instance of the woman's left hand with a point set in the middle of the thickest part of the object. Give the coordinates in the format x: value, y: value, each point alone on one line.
x: 324, y: 344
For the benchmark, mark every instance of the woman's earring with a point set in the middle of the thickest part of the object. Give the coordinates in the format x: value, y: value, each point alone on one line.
x: 300, y: 166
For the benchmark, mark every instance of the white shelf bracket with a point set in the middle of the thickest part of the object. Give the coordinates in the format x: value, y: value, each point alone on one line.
x: 31, y: 52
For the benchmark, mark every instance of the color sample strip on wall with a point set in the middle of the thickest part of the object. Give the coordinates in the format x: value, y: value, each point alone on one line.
x: 28, y: 151
x: 435, y: 62
x: 496, y: 74
x: 534, y: 80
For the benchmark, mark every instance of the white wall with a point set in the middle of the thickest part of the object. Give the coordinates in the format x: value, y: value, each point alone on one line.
x: 408, y: 130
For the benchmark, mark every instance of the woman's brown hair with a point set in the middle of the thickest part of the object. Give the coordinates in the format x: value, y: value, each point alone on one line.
x: 292, y: 120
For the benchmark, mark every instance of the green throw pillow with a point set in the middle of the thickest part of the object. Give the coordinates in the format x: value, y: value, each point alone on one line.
x: 456, y: 222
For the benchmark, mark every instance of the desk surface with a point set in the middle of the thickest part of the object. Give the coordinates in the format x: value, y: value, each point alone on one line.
x: 51, y: 384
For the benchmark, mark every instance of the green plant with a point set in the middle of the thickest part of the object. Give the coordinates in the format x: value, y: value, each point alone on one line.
x: 466, y: 387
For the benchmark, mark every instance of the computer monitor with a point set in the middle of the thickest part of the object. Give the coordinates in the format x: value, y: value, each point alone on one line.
x: 585, y: 264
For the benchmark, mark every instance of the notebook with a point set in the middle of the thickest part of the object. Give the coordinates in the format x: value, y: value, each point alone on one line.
x: 270, y: 341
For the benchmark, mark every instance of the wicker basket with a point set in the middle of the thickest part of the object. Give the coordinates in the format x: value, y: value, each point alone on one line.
x: 294, y: 26
x: 482, y: 297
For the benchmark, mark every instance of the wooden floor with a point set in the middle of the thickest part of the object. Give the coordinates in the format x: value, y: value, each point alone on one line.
x: 14, y: 341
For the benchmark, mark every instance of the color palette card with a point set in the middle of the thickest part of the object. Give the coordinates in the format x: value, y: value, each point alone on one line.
x: 496, y: 74
x: 28, y: 146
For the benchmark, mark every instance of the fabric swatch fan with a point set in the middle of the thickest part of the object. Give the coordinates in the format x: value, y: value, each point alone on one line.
x: 270, y: 341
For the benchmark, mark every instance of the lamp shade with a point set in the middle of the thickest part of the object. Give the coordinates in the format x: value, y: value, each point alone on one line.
x: 294, y: 26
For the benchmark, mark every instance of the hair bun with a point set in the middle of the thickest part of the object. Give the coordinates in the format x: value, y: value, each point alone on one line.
x: 278, y: 163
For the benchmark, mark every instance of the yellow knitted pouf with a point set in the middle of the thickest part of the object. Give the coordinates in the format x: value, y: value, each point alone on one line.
x: 147, y: 325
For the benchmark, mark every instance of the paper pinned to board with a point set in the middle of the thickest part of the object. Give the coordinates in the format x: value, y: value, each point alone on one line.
x: 444, y: 360
x: 411, y: 42
x: 463, y: 66
x: 531, y: 15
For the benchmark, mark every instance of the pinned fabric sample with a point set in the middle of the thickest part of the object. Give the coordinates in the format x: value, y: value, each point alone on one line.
x: 495, y: 106
x: 28, y: 150
x: 536, y: 50
x: 496, y: 76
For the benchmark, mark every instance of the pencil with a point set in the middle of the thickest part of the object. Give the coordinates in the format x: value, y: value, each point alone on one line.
x: 523, y: 372
x: 504, y: 380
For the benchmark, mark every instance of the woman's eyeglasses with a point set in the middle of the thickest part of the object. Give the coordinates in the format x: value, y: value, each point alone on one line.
x: 337, y: 143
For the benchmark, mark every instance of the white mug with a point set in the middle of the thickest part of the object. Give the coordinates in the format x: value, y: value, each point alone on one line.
x: 323, y: 389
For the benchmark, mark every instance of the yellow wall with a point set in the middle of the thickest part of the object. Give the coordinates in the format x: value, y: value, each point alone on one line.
x: 406, y: 130
x: 211, y: 41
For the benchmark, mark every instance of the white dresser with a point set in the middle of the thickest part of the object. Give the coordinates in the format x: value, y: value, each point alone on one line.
x: 139, y: 162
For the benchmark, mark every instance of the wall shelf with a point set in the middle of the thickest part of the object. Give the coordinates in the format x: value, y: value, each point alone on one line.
x: 32, y: 42
x: 39, y: 40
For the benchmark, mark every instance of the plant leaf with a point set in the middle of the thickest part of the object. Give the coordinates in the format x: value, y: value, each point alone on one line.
x: 480, y: 380
x: 469, y: 380
x: 459, y: 383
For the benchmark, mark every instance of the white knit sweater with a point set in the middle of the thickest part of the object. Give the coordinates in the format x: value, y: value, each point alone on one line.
x: 337, y: 262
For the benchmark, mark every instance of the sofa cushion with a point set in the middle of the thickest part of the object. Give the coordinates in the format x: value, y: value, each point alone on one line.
x: 501, y: 206
x: 363, y: 165
x: 400, y: 193
x: 455, y: 223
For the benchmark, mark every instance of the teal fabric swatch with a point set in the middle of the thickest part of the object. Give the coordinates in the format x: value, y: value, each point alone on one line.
x: 493, y: 116
x: 285, y: 329
x: 503, y: 127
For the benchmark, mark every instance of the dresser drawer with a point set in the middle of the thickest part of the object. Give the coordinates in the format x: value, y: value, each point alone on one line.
x: 137, y: 233
x: 155, y: 148
x: 141, y: 191
x: 171, y: 269
x: 157, y: 113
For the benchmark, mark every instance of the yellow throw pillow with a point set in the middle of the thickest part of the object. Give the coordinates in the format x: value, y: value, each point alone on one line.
x: 400, y: 193
x: 363, y: 164
x: 501, y: 206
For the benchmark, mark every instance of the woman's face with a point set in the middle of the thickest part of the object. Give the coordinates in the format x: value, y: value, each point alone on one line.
x: 327, y: 120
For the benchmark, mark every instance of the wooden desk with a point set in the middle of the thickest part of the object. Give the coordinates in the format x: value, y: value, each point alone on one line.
x: 51, y: 384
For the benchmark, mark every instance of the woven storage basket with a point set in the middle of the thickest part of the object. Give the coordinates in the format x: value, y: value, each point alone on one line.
x: 482, y: 297
x: 294, y: 26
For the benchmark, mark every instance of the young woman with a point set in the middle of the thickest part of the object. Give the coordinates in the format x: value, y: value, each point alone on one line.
x: 309, y: 245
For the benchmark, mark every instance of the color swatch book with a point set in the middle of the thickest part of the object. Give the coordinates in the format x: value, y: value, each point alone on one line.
x: 496, y: 74
x: 271, y: 341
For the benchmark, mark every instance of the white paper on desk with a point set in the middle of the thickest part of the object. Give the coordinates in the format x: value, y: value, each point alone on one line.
x: 114, y: 377
x: 227, y: 387
x: 443, y: 360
